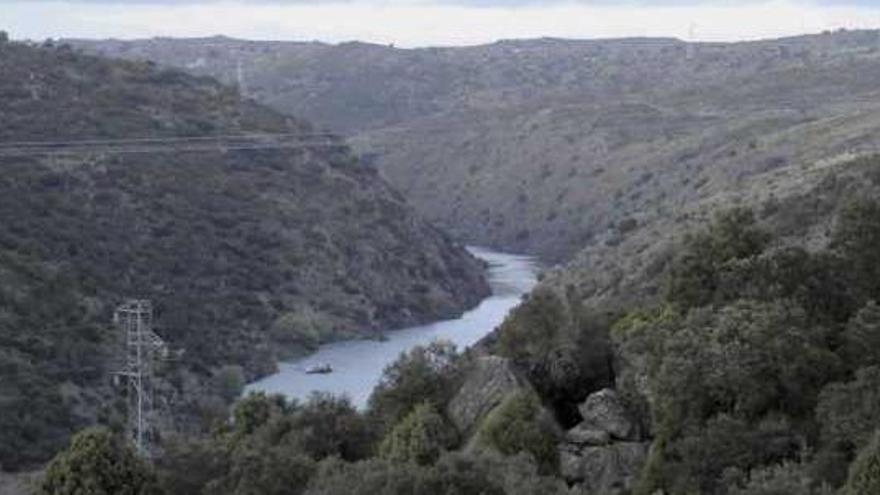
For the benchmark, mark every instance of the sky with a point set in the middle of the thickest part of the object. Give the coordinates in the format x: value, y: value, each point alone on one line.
x: 414, y: 23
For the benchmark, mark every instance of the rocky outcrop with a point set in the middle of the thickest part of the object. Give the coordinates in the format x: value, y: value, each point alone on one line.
x: 584, y: 435
x: 604, y: 411
x: 604, y: 452
x: 491, y: 380
x: 603, y: 469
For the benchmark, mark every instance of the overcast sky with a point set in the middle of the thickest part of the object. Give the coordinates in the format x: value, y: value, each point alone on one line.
x: 432, y: 22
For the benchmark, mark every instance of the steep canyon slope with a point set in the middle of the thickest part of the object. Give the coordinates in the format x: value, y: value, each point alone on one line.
x: 549, y: 145
x: 245, y: 253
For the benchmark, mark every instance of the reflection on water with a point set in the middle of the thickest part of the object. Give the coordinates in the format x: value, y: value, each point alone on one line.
x: 357, y: 365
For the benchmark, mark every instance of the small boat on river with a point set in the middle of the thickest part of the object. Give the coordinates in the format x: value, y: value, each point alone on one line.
x: 319, y: 369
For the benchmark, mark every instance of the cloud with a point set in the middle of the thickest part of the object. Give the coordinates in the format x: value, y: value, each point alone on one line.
x: 430, y: 22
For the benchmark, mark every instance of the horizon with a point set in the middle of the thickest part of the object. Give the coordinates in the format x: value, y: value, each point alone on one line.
x: 433, y: 23
x: 498, y: 41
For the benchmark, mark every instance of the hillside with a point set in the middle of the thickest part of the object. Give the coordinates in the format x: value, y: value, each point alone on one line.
x: 547, y: 146
x: 754, y: 370
x: 246, y: 254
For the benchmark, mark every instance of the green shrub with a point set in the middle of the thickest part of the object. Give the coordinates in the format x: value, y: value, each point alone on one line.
x: 850, y: 412
x: 256, y: 410
x: 420, y: 437
x: 519, y: 425
x: 788, y: 478
x: 533, y: 328
x: 864, y: 474
x: 424, y: 374
x: 454, y: 473
x: 328, y: 426
x: 97, y: 463
x: 693, y: 276
x: 856, y: 237
x: 862, y: 337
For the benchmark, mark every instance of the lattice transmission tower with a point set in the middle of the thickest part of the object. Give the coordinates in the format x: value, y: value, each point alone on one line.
x: 143, y: 348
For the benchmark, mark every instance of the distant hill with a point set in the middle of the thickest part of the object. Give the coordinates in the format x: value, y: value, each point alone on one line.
x: 246, y: 254
x: 550, y: 145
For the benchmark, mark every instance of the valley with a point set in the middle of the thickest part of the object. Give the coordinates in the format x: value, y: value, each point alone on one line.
x: 546, y: 146
x: 677, y: 293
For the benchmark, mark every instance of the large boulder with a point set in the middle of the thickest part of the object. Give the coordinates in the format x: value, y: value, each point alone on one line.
x: 603, y: 469
x: 491, y: 380
x: 605, y: 411
x: 584, y: 435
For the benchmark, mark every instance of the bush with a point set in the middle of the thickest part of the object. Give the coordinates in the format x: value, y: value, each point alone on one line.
x: 256, y: 410
x: 864, y: 474
x: 532, y: 330
x: 564, y: 347
x: 856, y: 237
x: 519, y: 425
x: 862, y: 337
x: 229, y: 382
x: 255, y: 468
x: 330, y: 426
x: 454, y: 473
x: 98, y: 463
x: 420, y: 437
x: 788, y: 478
x: 425, y: 374
x: 850, y: 412
x: 693, y: 275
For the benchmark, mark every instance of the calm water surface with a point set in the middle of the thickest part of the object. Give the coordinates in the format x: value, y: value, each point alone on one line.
x: 358, y: 364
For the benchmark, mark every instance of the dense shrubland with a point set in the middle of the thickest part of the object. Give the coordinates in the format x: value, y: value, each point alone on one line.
x: 324, y: 446
x: 247, y: 255
x: 758, y: 355
x: 754, y: 371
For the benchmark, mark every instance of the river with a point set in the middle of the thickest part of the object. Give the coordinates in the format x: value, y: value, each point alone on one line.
x: 358, y: 364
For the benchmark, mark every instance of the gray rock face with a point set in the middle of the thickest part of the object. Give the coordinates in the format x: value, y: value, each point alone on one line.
x: 603, y: 452
x: 584, y: 435
x: 606, y: 469
x: 491, y: 381
x: 604, y: 411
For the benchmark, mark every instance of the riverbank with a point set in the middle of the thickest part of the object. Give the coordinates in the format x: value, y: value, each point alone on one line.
x: 358, y: 364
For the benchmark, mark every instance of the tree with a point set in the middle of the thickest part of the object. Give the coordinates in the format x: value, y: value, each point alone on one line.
x: 97, y: 463
x: 862, y: 337
x: 519, y: 425
x: 420, y: 437
x: 849, y: 412
x: 330, y: 426
x: 423, y: 374
x: 256, y: 410
x: 693, y: 275
x: 187, y: 465
x: 788, y: 478
x: 864, y: 474
x: 532, y: 330
x: 229, y: 382
x: 856, y: 237
x: 256, y: 468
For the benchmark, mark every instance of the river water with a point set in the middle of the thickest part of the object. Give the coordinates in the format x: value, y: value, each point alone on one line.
x: 358, y: 364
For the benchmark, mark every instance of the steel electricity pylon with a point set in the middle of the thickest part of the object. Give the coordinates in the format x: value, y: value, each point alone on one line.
x: 143, y: 348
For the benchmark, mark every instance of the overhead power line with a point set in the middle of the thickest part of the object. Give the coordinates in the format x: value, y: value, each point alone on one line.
x: 173, y: 144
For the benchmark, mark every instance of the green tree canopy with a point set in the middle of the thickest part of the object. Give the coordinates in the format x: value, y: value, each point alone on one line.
x: 423, y: 374
x: 519, y: 425
x: 97, y: 463
x: 864, y: 474
x: 420, y: 437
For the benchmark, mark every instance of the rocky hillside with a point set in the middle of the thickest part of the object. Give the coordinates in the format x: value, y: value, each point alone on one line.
x: 245, y: 253
x: 550, y: 145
